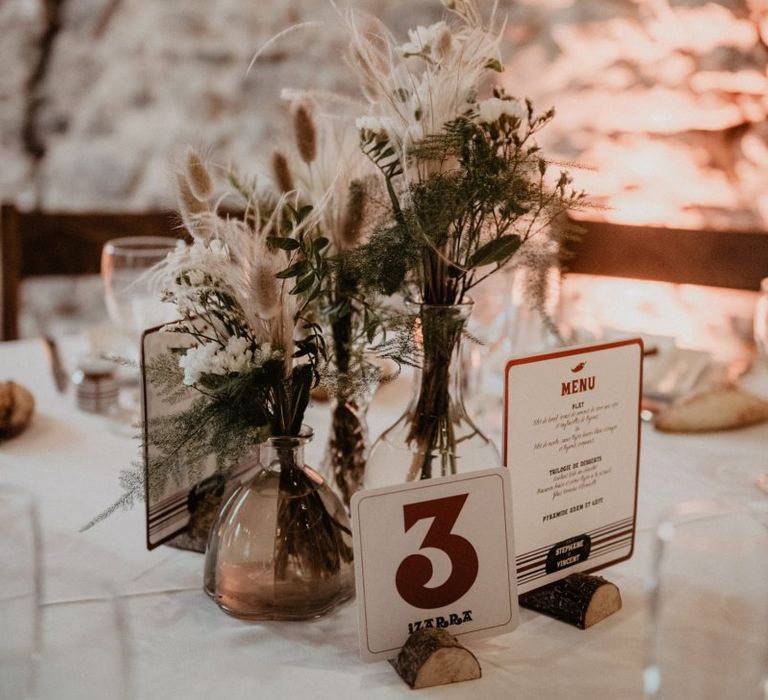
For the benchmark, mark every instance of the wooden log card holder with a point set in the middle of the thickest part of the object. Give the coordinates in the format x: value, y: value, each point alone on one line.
x: 432, y: 656
x: 581, y: 600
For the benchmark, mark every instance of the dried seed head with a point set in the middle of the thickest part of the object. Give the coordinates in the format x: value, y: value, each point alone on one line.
x: 265, y: 287
x: 282, y: 173
x: 192, y: 210
x: 354, y: 217
x: 198, y: 177
x: 305, y: 132
x: 443, y: 43
x: 265, y: 291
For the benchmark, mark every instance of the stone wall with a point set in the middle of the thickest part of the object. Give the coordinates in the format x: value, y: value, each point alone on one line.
x: 124, y: 84
x: 666, y: 99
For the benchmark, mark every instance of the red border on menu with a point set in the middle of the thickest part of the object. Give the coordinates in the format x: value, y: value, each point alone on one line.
x: 582, y: 350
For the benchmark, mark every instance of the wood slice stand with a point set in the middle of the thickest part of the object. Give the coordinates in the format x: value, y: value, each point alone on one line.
x: 580, y: 600
x: 433, y: 657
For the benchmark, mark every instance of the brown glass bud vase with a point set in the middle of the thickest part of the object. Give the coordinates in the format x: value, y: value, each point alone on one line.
x: 281, y: 546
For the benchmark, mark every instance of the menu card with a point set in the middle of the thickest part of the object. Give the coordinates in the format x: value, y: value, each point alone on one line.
x: 571, y: 442
x: 169, y: 511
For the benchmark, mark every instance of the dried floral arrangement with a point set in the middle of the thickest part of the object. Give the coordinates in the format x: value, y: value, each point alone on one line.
x: 460, y: 190
x: 247, y: 345
x: 327, y: 171
x: 469, y: 190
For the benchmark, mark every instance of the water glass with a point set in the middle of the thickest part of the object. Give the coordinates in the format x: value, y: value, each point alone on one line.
x: 132, y: 303
x: 708, y: 635
x: 19, y: 593
x: 86, y: 650
x: 761, y: 322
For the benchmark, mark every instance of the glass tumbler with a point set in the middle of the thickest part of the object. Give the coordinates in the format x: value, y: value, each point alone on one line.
x: 708, y: 636
x: 20, y: 633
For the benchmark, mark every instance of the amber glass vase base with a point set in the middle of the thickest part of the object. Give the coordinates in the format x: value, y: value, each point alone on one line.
x: 293, y: 603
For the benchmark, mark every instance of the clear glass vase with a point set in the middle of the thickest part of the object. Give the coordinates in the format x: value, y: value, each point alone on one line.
x: 435, y: 436
x: 205, y: 501
x: 347, y: 449
x: 281, y: 547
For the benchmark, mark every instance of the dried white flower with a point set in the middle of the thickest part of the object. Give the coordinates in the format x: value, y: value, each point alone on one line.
x: 424, y: 40
x: 491, y: 110
x: 237, y: 356
x: 370, y: 123
x: 196, y: 361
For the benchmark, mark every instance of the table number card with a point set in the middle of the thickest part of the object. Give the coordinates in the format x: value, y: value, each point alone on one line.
x: 571, y: 442
x: 434, y: 553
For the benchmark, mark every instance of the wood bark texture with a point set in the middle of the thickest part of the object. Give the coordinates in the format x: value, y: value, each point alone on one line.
x: 581, y: 600
x: 433, y: 657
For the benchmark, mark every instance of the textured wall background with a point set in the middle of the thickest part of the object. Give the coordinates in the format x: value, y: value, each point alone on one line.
x: 666, y: 98
x: 97, y: 95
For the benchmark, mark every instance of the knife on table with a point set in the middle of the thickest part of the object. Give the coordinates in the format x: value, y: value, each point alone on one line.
x: 60, y: 376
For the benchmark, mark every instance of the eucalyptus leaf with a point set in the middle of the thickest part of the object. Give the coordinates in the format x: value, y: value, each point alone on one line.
x: 495, y: 251
x: 298, y: 268
x: 283, y: 243
x: 494, y: 64
x: 319, y: 243
x: 303, y: 284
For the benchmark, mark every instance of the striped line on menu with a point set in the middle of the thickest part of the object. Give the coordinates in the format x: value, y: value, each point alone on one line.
x: 532, y: 565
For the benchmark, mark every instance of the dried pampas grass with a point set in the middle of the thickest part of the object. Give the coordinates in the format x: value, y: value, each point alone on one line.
x: 198, y: 176
x: 305, y: 132
x: 351, y: 230
x: 282, y: 173
x: 194, y: 190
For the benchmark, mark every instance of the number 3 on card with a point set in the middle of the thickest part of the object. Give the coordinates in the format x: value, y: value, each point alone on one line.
x: 415, y: 571
x: 434, y: 553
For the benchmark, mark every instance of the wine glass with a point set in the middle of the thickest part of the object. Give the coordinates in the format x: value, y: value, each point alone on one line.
x: 86, y: 650
x: 760, y: 325
x: 709, y: 603
x: 20, y: 593
x: 760, y: 328
x: 132, y: 303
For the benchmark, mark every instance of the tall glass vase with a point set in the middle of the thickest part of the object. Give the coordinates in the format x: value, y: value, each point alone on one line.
x: 435, y: 436
x: 347, y: 448
x: 280, y: 549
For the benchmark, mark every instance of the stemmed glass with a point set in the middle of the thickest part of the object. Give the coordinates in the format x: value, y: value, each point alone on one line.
x: 709, y: 603
x: 20, y: 592
x: 88, y: 640
x: 761, y: 322
x: 131, y: 301
x: 760, y: 328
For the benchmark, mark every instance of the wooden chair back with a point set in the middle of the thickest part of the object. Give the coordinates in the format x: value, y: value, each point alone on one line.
x: 46, y: 243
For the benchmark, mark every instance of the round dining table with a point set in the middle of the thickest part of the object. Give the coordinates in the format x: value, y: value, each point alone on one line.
x: 178, y: 644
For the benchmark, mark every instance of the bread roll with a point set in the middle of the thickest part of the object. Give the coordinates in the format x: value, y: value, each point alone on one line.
x: 720, y: 408
x: 16, y: 408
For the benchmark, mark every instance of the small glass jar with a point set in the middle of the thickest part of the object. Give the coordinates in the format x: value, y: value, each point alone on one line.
x: 281, y: 547
x: 96, y: 388
x: 347, y: 448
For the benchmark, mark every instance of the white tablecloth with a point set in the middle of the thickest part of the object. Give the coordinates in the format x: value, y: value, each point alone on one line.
x: 182, y: 646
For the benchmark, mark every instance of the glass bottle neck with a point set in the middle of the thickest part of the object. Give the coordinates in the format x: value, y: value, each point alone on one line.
x: 279, y: 453
x: 440, y: 330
